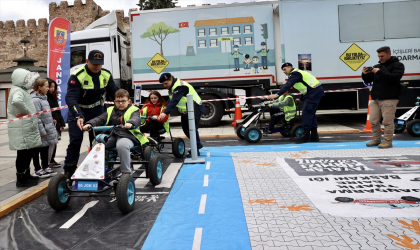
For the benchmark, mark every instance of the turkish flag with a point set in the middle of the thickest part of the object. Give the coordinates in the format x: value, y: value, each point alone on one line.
x: 183, y: 25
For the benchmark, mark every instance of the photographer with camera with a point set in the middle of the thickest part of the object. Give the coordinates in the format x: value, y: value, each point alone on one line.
x: 385, y: 92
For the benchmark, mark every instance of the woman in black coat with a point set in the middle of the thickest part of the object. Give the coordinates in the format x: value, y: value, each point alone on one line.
x: 58, y: 118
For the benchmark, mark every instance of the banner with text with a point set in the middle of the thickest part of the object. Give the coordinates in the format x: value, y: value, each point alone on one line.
x: 58, y: 67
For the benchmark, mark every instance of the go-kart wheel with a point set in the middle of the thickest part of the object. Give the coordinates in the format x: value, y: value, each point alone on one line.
x: 286, y: 132
x: 398, y: 128
x: 413, y: 127
x: 155, y: 170
x: 148, y: 153
x: 178, y: 147
x: 126, y: 194
x: 344, y: 199
x: 297, y: 131
x: 56, y: 193
x: 252, y: 135
x: 239, y: 132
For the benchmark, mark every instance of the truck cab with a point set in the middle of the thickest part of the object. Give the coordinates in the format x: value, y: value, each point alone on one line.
x: 106, y: 35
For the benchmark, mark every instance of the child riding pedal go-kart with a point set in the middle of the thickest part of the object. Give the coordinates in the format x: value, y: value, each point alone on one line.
x: 282, y: 110
x: 97, y: 174
x: 152, y: 108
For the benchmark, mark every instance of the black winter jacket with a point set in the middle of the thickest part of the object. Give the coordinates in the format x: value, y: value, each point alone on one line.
x: 386, y: 82
x: 56, y: 114
x: 116, y: 120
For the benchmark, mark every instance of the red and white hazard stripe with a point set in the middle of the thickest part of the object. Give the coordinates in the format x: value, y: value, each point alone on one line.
x: 37, y: 113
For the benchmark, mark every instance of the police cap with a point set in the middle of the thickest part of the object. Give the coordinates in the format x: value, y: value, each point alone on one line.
x: 96, y: 57
x: 286, y: 65
x: 164, y: 77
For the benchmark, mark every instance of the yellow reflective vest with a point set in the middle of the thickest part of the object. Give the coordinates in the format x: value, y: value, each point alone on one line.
x: 165, y: 124
x: 308, y: 79
x: 86, y: 80
x: 289, y: 111
x: 182, y: 104
x: 136, y: 132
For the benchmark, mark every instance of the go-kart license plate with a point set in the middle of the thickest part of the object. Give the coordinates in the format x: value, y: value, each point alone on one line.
x: 401, y: 122
x: 87, y: 185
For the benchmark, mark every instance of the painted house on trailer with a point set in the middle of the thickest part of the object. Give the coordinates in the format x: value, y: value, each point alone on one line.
x: 219, y: 35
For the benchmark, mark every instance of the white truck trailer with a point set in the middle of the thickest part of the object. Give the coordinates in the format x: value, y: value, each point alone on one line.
x: 221, y: 49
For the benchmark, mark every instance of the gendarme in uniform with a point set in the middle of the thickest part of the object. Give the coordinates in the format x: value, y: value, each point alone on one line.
x: 86, y: 88
x: 178, y: 91
x: 311, y: 92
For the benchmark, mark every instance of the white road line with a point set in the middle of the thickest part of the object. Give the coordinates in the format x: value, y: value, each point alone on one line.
x: 141, y: 182
x: 197, y: 238
x: 169, y: 176
x: 326, y: 137
x: 206, y: 180
x: 208, y: 154
x: 208, y: 165
x: 79, y: 215
x: 202, y: 208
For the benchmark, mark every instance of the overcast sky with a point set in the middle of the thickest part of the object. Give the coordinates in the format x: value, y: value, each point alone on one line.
x: 28, y: 9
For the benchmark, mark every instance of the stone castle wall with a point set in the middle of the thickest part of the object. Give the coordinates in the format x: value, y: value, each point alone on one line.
x: 80, y: 15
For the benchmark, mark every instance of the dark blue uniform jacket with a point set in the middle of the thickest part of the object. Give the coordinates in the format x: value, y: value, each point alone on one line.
x: 296, y: 77
x: 76, y: 94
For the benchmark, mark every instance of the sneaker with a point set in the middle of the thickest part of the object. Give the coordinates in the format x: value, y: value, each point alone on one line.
x: 385, y: 144
x: 373, y: 143
x: 41, y: 174
x: 50, y: 171
x: 55, y: 165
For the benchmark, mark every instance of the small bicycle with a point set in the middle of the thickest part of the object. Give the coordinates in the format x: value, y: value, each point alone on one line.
x: 97, y: 174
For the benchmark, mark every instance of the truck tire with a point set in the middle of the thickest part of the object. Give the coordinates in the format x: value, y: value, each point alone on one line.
x: 398, y: 128
x: 413, y: 127
x: 213, y: 113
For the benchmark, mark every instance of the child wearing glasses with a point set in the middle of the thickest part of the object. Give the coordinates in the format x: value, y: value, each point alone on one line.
x: 123, y: 113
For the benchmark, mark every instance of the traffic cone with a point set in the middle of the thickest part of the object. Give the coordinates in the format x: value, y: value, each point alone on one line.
x: 368, y: 128
x: 238, y: 112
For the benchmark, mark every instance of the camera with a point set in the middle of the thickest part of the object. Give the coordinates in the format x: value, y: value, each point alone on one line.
x: 369, y: 69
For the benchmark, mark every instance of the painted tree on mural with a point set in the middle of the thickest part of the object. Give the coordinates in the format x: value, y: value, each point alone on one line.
x: 158, y: 32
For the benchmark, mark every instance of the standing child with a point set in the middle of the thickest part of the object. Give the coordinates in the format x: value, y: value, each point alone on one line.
x: 57, y: 117
x: 154, y: 106
x: 46, y: 128
x: 23, y: 134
